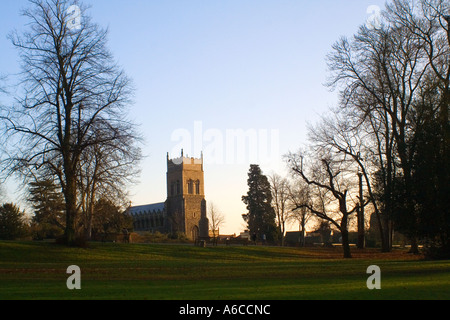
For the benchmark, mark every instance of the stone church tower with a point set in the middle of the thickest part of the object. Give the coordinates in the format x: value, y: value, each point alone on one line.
x: 186, y: 205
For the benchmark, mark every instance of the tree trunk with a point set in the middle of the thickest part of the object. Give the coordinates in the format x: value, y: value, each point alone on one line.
x: 89, y: 223
x: 91, y: 207
x: 360, y: 216
x: 345, y: 240
x: 71, y: 212
x: 303, y: 235
x: 70, y: 194
x: 346, y: 244
x: 361, y: 236
x: 414, y: 246
x: 386, y: 241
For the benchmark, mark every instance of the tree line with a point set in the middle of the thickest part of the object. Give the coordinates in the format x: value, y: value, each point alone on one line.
x: 67, y: 135
x: 385, y: 148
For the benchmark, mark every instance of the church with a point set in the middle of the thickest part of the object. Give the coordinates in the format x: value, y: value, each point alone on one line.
x: 184, y: 210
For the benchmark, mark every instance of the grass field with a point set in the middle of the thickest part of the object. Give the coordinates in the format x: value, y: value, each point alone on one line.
x: 32, y: 270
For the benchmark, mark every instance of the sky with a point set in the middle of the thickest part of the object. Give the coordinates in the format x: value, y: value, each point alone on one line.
x: 239, y: 80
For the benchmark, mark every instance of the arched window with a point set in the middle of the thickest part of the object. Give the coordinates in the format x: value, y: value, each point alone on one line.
x: 191, y: 187
x: 197, y: 187
x: 178, y: 187
x: 172, y: 189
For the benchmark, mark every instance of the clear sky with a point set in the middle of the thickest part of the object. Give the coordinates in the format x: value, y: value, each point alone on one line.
x: 210, y: 73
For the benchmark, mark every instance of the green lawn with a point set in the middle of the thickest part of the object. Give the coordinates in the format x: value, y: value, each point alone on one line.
x: 183, y: 272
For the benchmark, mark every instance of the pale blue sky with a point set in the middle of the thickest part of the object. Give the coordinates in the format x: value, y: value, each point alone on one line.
x: 255, y: 65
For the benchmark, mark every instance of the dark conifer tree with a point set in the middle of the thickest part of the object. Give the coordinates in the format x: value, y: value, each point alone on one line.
x: 261, y: 215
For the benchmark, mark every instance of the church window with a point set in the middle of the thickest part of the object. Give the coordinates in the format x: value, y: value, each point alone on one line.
x: 172, y: 189
x: 178, y: 187
x: 191, y: 187
x: 197, y: 187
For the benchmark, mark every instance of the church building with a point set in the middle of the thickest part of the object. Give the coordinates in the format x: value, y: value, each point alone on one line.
x: 185, y: 207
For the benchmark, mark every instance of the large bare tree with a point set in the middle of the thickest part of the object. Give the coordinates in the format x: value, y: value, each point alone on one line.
x: 429, y: 22
x: 349, y: 136
x: 386, y: 75
x: 330, y: 178
x: 380, y: 72
x: 71, y: 90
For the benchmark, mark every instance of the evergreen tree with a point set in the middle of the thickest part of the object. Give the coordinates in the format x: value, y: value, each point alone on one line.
x: 431, y: 168
x: 261, y: 216
x: 48, y: 204
x: 12, y: 222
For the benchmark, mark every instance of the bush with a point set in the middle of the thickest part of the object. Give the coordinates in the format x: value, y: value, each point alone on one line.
x: 43, y: 231
x: 436, y: 250
x: 158, y: 237
x: 80, y: 242
x: 179, y: 236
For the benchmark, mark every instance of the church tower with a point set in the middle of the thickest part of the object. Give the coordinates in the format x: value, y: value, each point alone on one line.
x: 186, y: 204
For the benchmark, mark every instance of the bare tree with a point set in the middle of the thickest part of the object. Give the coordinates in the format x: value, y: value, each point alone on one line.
x: 71, y: 90
x: 343, y: 134
x: 280, y: 198
x: 429, y: 22
x: 216, y: 220
x: 299, y: 198
x: 328, y: 176
x: 381, y: 72
x: 104, y: 172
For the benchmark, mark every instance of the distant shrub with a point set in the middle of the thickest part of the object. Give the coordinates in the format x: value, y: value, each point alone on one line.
x: 436, y: 250
x: 43, y: 231
x: 158, y: 237
x: 80, y: 242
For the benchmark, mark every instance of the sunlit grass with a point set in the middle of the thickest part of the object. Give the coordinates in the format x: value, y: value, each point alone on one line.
x: 140, y: 271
